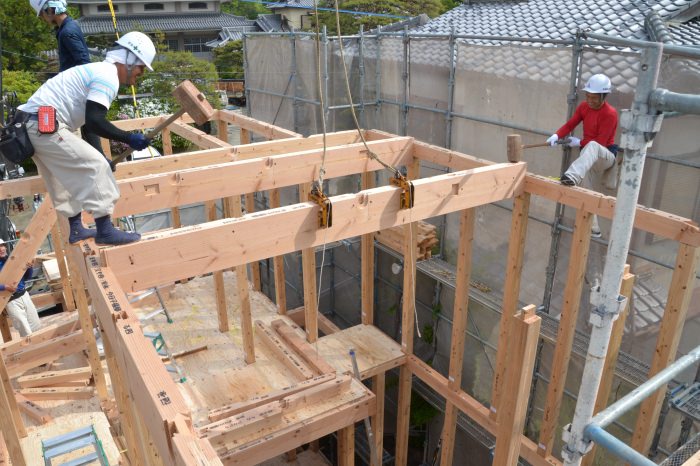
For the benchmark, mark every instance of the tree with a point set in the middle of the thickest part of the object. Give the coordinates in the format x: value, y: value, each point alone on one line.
x: 228, y: 60
x: 24, y: 37
x: 23, y: 83
x: 241, y: 8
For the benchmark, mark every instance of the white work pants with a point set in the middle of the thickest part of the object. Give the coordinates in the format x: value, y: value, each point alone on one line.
x: 594, y: 158
x: 23, y: 314
x: 77, y: 176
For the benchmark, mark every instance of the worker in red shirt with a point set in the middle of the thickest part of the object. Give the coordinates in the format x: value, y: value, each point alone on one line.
x: 598, y: 148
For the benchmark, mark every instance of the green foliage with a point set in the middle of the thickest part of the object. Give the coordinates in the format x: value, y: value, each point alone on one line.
x: 174, y: 67
x: 24, y: 37
x: 350, y: 24
x: 450, y: 4
x: 23, y: 83
x: 421, y: 411
x: 248, y: 9
x: 229, y: 60
x: 428, y: 333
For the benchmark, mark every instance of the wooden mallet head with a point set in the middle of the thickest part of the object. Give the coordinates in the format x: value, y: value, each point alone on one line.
x: 193, y: 102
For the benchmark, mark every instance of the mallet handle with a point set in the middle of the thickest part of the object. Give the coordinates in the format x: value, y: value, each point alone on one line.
x: 530, y: 146
x: 151, y: 134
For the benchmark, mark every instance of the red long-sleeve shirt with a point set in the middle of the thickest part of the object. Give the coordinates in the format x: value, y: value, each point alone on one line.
x: 598, y: 125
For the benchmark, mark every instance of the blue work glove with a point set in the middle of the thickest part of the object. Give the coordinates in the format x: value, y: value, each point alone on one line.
x: 138, y: 141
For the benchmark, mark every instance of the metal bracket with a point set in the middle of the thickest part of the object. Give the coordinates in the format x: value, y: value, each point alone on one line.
x: 325, y: 214
x: 601, y: 310
x: 407, y: 191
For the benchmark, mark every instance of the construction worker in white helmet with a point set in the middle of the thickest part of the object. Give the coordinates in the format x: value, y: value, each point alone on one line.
x: 72, y: 48
x: 77, y: 176
x: 598, y: 148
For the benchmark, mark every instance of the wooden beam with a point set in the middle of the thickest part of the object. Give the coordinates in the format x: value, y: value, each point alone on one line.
x: 346, y: 446
x: 379, y: 390
x: 68, y: 298
x: 57, y: 393
x: 197, y: 137
x: 521, y: 357
x: 308, y: 266
x: 511, y: 292
x: 459, y: 330
x: 48, y: 299
x: 160, y: 191
x: 278, y: 265
x: 265, y: 130
x: 611, y: 359
x: 575, y: 277
x: 677, y: 302
x: 33, y: 410
x: 367, y: 263
x: 307, y: 352
x: 653, y: 221
x: 5, y: 326
x: 11, y: 426
x: 286, y: 356
x: 218, y: 276
x: 254, y: 266
x: 43, y: 379
x: 46, y: 333
x: 221, y: 432
x: 474, y: 409
x: 325, y: 325
x: 144, y: 264
x: 42, y: 353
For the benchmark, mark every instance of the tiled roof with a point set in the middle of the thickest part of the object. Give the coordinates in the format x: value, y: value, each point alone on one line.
x: 291, y: 4
x: 165, y: 23
x: 555, y: 19
x: 232, y: 33
x: 686, y: 34
x: 270, y: 23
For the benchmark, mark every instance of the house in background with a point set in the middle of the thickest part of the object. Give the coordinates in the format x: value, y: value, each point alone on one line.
x: 297, y: 14
x: 189, y: 25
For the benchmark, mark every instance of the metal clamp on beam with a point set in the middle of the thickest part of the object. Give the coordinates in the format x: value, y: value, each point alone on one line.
x: 407, y: 194
x: 325, y: 214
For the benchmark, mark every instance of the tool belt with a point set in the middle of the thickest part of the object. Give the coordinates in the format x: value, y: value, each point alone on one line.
x: 17, y: 295
x: 15, y: 145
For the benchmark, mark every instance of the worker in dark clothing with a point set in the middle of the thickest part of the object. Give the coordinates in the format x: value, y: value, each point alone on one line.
x: 72, y: 48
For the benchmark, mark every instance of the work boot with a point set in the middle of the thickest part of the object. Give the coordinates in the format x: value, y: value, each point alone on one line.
x: 567, y: 180
x: 107, y: 234
x: 78, y: 232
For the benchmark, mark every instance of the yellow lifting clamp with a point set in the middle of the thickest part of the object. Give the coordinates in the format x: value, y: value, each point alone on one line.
x: 325, y: 215
x: 407, y: 194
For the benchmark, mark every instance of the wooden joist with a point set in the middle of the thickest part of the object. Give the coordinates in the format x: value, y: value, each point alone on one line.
x: 285, y: 355
x: 57, y: 393
x: 43, y: 353
x: 265, y: 130
x: 32, y: 410
x: 427, y: 238
x: 240, y: 425
x: 43, y: 379
x: 302, y: 348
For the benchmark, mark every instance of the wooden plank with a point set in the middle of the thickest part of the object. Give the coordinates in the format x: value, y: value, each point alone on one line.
x: 68, y: 298
x: 282, y: 352
x: 308, y: 266
x: 521, y: 358
x: 44, y: 352
x: 221, y: 432
x: 236, y: 408
x: 301, y: 432
x: 325, y: 325
x: 164, y: 190
x: 514, y: 267
x: 575, y: 278
x: 653, y: 221
x: 145, y: 264
x: 278, y: 265
x: 307, y: 352
x: 48, y: 299
x: 459, y: 329
x: 219, y: 288
x: 46, y: 333
x: 254, y: 266
x: 5, y: 326
x: 611, y: 358
x: 167, y: 139
x: 266, y: 130
x: 474, y: 409
x: 677, y: 302
x: 346, y: 446
x: 367, y: 263
x: 43, y: 379
x: 197, y: 137
x: 318, y: 393
x: 377, y: 421
x: 33, y: 410
x: 57, y: 393
x: 693, y: 460
x: 10, y: 430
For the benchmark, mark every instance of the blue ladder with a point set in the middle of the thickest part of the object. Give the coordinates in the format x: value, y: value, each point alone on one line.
x: 76, y: 440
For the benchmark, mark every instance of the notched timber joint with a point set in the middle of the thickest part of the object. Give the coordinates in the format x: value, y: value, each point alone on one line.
x: 407, y: 192
x: 325, y: 214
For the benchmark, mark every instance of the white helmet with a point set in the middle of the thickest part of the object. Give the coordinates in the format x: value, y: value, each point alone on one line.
x: 2, y: 242
x: 38, y: 5
x: 598, y: 84
x: 59, y: 6
x: 140, y: 45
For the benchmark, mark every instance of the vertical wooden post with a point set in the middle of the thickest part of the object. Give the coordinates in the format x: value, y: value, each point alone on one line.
x: 219, y: 287
x: 578, y: 258
x: 522, y: 350
x: 367, y: 263
x: 346, y: 446
x: 5, y: 326
x: 168, y: 150
x: 58, y: 246
x: 278, y: 264
x: 245, y: 136
x: 379, y: 388
x: 511, y: 292
x: 254, y: 266
x: 618, y: 330
x: 679, y: 295
x: 459, y: 330
x: 407, y: 332
x: 8, y: 404
x: 308, y: 266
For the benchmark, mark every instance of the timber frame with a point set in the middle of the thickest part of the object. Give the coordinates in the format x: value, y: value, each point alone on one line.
x: 155, y: 419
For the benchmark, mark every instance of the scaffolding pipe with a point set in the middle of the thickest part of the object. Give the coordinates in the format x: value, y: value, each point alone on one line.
x: 617, y: 447
x: 666, y: 100
x: 404, y: 105
x: 361, y: 69
x: 669, y: 49
x: 639, y: 126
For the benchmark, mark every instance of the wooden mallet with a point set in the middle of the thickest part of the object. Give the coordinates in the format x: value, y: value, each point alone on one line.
x: 191, y: 101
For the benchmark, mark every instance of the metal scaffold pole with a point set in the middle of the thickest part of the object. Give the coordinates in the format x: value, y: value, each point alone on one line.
x: 639, y: 125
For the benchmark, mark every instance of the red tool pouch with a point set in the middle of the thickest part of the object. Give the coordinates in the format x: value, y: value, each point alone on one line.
x: 47, y: 120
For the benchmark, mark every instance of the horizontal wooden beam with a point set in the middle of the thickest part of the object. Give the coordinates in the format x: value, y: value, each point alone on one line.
x: 307, y: 352
x: 283, y: 354
x: 32, y: 410
x: 44, y: 352
x: 653, y: 221
x: 44, y: 334
x: 43, y: 379
x: 57, y: 393
x: 240, y: 425
x: 169, y: 256
x: 197, y: 137
x: 261, y: 128
x: 154, y: 192
x: 474, y: 409
x: 171, y: 163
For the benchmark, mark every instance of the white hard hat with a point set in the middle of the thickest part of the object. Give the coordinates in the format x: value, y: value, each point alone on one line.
x: 38, y: 5
x: 140, y: 45
x: 598, y: 84
x: 2, y: 241
x: 60, y: 6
